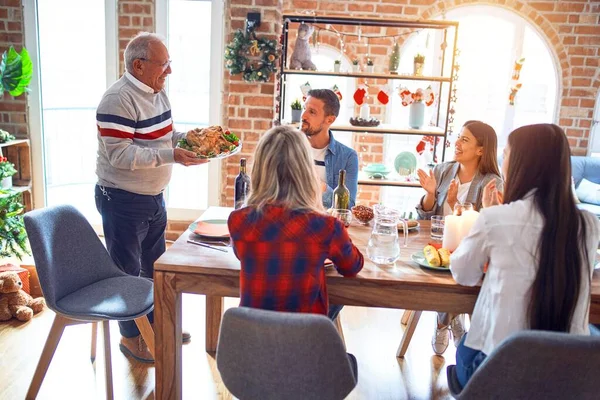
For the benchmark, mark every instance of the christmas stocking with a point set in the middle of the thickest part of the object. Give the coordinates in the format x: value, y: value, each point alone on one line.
x: 383, y: 96
x: 359, y: 94
x: 337, y: 92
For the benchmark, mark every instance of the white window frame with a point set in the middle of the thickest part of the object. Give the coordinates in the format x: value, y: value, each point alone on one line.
x: 34, y: 98
x: 593, y: 149
x: 215, y: 90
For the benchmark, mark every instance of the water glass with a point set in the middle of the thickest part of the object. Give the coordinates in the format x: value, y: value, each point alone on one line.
x: 345, y: 216
x: 459, y: 208
x: 437, y: 228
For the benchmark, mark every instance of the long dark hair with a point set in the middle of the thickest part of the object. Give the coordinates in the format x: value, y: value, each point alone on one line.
x: 561, y: 248
x: 486, y: 137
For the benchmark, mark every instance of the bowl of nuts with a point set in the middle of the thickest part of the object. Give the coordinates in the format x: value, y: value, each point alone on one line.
x: 363, y: 214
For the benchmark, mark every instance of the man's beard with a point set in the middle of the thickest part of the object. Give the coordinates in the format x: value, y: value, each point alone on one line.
x: 309, y: 132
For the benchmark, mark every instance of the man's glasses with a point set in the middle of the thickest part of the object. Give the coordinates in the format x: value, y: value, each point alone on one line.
x: 164, y: 65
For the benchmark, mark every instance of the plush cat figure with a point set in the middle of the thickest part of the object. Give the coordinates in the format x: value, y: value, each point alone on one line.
x: 301, y: 55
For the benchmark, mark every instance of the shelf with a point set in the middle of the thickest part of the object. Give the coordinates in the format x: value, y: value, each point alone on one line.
x: 14, y: 142
x: 383, y: 128
x: 387, y: 182
x: 371, y: 75
x: 371, y: 21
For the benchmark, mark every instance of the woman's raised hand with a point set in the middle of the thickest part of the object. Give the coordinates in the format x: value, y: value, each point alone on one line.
x: 427, y: 181
x: 491, y: 195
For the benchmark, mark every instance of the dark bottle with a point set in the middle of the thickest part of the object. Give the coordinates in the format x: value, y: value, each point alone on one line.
x: 341, y: 194
x: 242, y: 186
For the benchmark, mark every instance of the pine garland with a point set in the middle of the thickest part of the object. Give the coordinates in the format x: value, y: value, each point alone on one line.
x: 13, y: 237
x: 262, y: 52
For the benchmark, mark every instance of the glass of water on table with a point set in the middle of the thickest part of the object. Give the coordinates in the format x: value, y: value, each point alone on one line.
x: 437, y: 228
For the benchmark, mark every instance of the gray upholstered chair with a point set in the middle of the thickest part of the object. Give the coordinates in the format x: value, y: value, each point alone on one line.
x: 278, y: 355
x: 82, y: 284
x: 535, y: 365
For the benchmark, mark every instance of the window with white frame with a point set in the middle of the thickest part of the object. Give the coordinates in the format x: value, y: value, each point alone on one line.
x: 485, y: 78
x: 193, y: 30
x: 594, y: 144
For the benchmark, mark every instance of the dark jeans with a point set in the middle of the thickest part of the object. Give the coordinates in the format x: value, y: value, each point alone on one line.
x: 334, y: 310
x: 467, y: 361
x: 134, y: 230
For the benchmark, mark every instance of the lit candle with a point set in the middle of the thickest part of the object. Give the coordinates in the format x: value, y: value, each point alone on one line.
x: 364, y: 111
x: 452, y: 231
x: 467, y: 219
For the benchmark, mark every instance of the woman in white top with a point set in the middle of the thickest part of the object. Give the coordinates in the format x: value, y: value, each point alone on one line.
x: 538, y: 246
x: 460, y: 181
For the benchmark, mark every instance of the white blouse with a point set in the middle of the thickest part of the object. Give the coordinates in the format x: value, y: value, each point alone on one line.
x: 507, y: 236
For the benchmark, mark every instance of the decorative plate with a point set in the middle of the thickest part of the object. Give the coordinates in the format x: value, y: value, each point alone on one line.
x: 405, y: 163
x: 415, y: 225
x: 223, y: 154
x: 376, y: 171
x: 420, y: 259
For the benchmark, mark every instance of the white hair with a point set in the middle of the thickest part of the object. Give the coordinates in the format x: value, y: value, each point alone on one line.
x: 137, y: 48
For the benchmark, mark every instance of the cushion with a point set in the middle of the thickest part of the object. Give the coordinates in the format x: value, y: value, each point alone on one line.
x: 574, y: 191
x: 588, y: 192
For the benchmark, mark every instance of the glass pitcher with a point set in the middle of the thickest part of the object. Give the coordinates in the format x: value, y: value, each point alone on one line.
x: 383, y: 247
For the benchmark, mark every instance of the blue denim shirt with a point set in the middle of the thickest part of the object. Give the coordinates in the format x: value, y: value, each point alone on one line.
x: 339, y: 157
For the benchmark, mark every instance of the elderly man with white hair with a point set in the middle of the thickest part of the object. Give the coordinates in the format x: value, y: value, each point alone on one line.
x: 136, y: 151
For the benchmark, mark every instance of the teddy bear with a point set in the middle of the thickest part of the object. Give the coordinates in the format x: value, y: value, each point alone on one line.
x: 301, y: 55
x: 15, y: 302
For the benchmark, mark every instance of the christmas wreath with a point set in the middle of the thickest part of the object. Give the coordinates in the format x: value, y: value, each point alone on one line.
x: 251, y: 56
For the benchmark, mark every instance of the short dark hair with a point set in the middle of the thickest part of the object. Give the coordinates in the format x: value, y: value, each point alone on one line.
x: 327, y: 96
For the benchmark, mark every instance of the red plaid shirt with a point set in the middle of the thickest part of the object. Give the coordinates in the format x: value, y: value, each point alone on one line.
x: 282, y: 253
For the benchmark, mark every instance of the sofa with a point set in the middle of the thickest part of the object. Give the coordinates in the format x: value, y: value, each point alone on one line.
x: 586, y: 168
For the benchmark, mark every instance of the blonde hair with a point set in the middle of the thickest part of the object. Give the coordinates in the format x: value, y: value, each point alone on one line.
x: 283, y: 171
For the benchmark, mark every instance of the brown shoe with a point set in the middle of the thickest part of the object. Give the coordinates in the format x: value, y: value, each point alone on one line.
x: 136, y: 348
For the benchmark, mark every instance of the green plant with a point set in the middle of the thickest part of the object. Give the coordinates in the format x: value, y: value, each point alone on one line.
x: 337, y: 62
x: 5, y: 136
x: 13, y: 237
x: 419, y: 58
x: 355, y: 61
x: 7, y: 169
x: 15, y: 72
x: 369, y: 61
x: 296, y: 105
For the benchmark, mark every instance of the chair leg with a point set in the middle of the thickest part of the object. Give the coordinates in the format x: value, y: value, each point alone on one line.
x: 107, y: 360
x: 94, y: 340
x: 58, y: 327
x: 405, y: 316
x: 408, y: 333
x: 338, y: 326
x: 147, y: 332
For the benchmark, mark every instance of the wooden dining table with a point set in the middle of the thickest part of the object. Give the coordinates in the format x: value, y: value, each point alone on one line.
x: 189, y: 268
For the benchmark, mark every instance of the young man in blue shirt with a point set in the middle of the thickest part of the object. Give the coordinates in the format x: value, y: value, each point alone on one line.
x: 321, y: 108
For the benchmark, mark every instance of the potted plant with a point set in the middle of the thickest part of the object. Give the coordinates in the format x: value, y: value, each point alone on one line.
x: 370, y: 66
x: 419, y: 62
x: 7, y: 170
x: 336, y: 65
x: 15, y: 72
x: 355, y: 66
x: 296, y: 111
x: 5, y: 136
x: 13, y: 237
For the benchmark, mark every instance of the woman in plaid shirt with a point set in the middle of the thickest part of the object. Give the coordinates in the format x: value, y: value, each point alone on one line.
x: 282, y: 237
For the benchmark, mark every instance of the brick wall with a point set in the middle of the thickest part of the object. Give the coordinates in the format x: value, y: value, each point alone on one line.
x: 571, y: 29
x: 13, y: 111
x: 134, y: 16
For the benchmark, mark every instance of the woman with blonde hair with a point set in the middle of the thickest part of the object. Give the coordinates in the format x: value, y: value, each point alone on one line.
x: 282, y: 237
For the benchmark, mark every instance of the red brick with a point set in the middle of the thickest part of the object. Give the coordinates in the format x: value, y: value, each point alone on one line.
x: 573, y: 19
x: 15, y: 26
x: 564, y: 122
x: 542, y: 5
x: 391, y: 10
x: 581, y: 82
x: 587, y: 30
x: 411, y: 10
x: 260, y: 113
x: 569, y: 6
x: 3, y: 13
x: 239, y: 123
x: 6, y: 105
x: 556, y: 18
x: 565, y: 102
x: 587, y: 103
x: 585, y: 123
x: 125, y: 20
x: 257, y: 101
x: 261, y: 125
x: 353, y: 7
x: 266, y: 3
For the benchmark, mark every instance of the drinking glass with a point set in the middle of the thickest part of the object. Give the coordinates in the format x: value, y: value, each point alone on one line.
x: 343, y: 215
x: 459, y: 208
x: 437, y: 228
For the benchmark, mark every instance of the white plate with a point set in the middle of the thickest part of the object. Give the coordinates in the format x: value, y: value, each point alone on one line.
x: 223, y: 155
x: 412, y: 228
x: 420, y: 259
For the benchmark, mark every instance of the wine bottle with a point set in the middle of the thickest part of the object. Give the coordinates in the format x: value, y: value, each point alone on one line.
x: 242, y: 186
x: 341, y: 194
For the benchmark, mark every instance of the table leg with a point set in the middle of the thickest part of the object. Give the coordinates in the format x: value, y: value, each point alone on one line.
x: 167, y: 327
x: 408, y: 333
x: 214, y: 313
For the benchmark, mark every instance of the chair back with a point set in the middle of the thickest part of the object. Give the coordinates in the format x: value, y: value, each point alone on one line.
x: 278, y: 355
x: 538, y: 365
x: 67, y: 252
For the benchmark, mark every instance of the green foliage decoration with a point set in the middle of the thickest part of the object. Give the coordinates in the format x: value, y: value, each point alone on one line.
x: 251, y: 56
x: 16, y: 71
x: 13, y: 237
x: 5, y: 136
